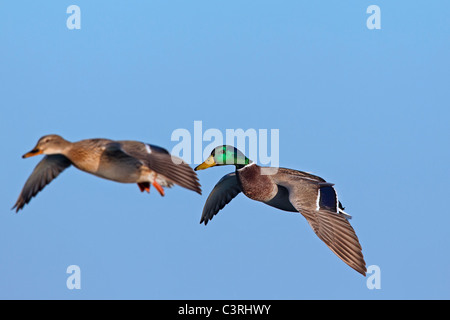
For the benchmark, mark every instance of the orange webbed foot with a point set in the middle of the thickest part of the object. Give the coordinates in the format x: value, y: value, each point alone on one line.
x: 159, y: 188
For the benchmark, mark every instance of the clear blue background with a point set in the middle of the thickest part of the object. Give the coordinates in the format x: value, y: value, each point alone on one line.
x: 366, y: 109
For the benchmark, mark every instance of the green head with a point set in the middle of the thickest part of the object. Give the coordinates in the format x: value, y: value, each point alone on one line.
x: 225, y: 155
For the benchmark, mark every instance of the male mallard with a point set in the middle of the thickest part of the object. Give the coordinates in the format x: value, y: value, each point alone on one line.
x: 288, y: 190
x: 121, y: 161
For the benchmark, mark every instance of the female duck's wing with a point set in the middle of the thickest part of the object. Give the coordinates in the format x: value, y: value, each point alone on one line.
x: 45, y: 171
x: 324, y: 217
x: 224, y: 191
x: 162, y: 162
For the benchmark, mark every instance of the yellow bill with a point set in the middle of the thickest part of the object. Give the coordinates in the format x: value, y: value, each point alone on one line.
x: 208, y: 163
x: 32, y: 153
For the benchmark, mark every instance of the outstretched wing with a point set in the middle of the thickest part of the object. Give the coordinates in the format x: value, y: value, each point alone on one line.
x: 337, y: 233
x: 320, y: 208
x: 224, y: 191
x: 46, y: 170
x: 162, y: 162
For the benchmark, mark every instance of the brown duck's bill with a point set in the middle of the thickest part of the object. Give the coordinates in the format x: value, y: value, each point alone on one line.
x: 208, y: 163
x: 32, y: 153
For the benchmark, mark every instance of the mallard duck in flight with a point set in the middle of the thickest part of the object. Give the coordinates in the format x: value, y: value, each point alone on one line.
x: 288, y: 190
x: 120, y: 161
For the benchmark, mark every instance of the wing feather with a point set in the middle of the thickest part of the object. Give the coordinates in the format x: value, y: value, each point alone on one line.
x: 333, y: 228
x: 223, y: 192
x: 163, y: 163
x: 45, y: 171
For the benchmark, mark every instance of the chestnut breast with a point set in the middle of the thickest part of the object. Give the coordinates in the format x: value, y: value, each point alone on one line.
x: 256, y: 186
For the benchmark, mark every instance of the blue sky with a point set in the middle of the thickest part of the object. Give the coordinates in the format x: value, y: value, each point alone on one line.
x: 364, y: 109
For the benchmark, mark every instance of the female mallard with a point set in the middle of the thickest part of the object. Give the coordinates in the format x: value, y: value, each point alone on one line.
x: 121, y: 161
x: 288, y: 190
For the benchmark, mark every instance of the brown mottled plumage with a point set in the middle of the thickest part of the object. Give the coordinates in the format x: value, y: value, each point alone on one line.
x: 289, y: 190
x: 120, y: 161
